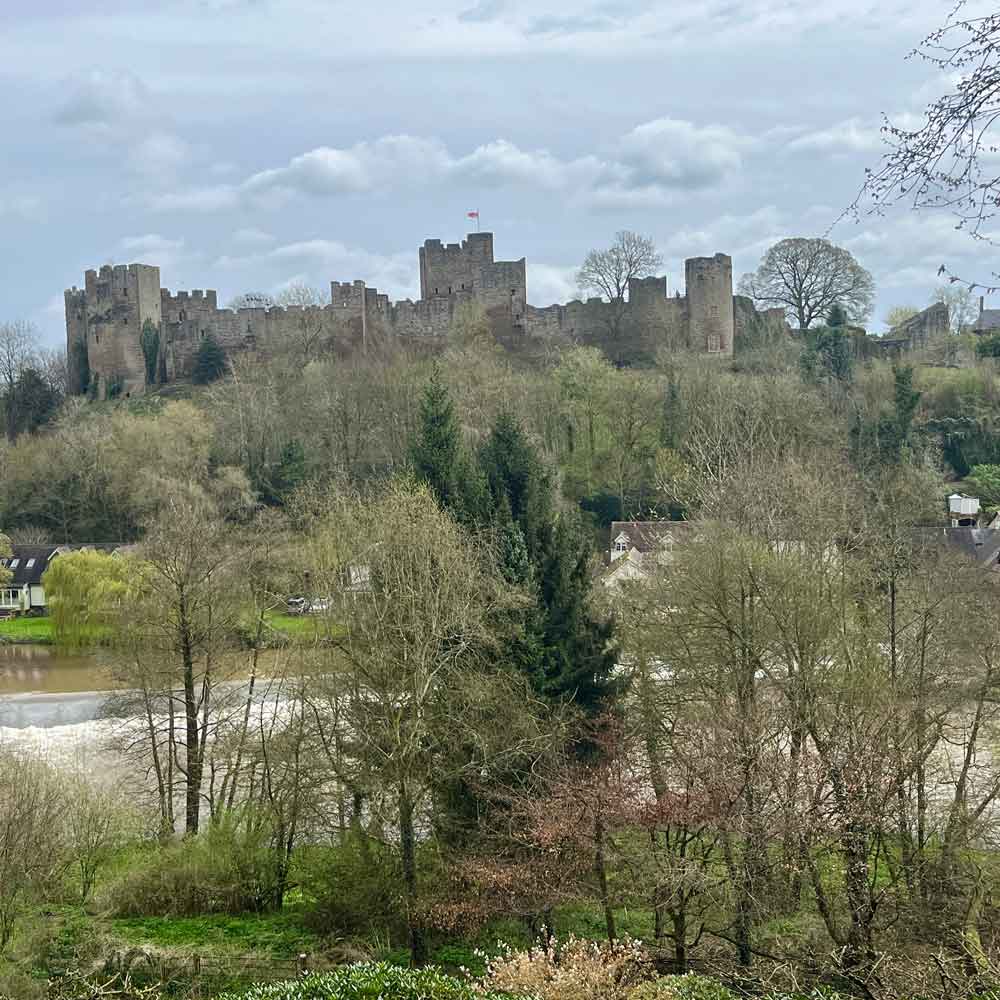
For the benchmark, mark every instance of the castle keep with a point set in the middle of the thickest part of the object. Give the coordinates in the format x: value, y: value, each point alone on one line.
x: 124, y: 331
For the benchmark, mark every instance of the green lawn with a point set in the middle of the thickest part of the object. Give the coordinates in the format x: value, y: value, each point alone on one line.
x: 281, y: 935
x: 302, y: 628
x: 26, y: 629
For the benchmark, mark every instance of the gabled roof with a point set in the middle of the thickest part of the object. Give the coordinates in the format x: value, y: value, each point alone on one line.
x: 39, y: 557
x: 980, y: 544
x: 646, y: 536
x: 27, y: 563
x: 989, y: 319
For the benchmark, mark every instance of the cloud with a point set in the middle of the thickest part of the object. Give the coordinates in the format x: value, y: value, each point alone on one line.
x: 102, y: 98
x: 555, y: 24
x: 483, y: 11
x: 672, y: 153
x: 548, y: 283
x: 846, y: 137
x: 251, y: 237
x: 150, y: 243
x: 317, y: 262
x: 650, y: 165
x: 354, y: 170
x: 159, y: 154
x: 154, y: 248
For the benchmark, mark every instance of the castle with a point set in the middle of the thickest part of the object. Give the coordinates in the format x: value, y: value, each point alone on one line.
x: 124, y: 331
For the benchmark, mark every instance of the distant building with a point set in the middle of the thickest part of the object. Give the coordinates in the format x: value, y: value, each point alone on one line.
x: 124, y: 331
x: 23, y: 593
x: 638, y: 546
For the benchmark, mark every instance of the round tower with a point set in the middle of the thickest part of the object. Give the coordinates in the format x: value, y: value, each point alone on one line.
x: 709, y: 283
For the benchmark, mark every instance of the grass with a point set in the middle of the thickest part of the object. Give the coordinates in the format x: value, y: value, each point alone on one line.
x: 279, y: 935
x: 26, y: 629
x: 302, y: 628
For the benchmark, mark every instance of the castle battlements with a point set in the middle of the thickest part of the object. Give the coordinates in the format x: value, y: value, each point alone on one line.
x: 124, y: 331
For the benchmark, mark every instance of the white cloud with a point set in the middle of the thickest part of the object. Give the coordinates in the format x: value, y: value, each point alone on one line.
x: 548, y: 283
x: 650, y: 165
x: 150, y: 243
x: 317, y: 262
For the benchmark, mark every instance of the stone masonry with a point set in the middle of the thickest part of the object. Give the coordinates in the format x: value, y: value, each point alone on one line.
x: 106, y: 319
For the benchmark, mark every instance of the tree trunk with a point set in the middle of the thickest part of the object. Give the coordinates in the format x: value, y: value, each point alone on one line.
x: 192, y: 798
x: 407, y: 848
x: 602, y: 880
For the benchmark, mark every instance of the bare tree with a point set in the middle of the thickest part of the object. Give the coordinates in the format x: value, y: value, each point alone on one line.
x: 806, y: 278
x: 962, y: 307
x: 17, y: 354
x: 314, y: 327
x: 948, y: 161
x: 31, y: 834
x: 421, y: 608
x: 252, y: 300
x: 608, y: 272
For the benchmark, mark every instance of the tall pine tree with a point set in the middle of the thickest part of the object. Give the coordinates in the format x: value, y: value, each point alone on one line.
x: 564, y: 649
x: 438, y: 456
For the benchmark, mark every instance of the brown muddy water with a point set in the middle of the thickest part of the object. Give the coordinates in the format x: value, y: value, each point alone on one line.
x: 41, y: 687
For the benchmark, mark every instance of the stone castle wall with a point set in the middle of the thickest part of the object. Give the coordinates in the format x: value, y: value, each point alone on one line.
x: 104, y: 320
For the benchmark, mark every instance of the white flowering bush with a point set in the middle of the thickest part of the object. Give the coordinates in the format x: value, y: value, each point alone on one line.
x: 573, y: 969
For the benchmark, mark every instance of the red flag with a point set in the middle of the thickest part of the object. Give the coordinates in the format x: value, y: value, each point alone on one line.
x: 473, y: 215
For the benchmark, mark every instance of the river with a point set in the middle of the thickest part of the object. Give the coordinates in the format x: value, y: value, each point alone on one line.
x: 43, y: 688
x: 55, y: 703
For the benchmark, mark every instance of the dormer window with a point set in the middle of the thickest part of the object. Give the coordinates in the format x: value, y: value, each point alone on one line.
x: 29, y: 564
x: 14, y: 563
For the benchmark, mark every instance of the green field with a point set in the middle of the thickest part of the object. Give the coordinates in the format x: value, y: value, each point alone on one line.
x: 26, y: 629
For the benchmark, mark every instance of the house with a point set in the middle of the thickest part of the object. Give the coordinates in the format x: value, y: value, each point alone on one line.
x: 637, y: 545
x: 23, y: 593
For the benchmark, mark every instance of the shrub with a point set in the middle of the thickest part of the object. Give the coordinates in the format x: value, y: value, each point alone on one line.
x: 688, y: 987
x: 354, y: 888
x: 572, y: 970
x: 209, y: 361
x: 227, y: 869
x: 365, y: 982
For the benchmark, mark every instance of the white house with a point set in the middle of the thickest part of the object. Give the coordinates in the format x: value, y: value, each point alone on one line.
x: 637, y: 545
x: 24, y: 593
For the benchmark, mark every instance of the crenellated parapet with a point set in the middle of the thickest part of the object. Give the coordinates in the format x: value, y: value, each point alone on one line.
x: 126, y: 330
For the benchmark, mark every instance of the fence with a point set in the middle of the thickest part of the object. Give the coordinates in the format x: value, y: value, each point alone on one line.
x: 197, y: 973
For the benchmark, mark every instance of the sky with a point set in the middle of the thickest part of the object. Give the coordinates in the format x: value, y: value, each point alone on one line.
x: 245, y: 145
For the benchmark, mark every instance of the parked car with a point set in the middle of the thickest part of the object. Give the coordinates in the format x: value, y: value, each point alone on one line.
x: 319, y: 605
x: 296, y: 605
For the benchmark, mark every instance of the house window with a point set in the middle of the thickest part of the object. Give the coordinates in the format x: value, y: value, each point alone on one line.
x: 714, y: 343
x: 14, y: 563
x: 621, y: 546
x: 10, y: 598
x: 29, y: 564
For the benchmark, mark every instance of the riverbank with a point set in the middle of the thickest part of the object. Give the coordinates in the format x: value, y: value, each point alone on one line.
x: 40, y: 630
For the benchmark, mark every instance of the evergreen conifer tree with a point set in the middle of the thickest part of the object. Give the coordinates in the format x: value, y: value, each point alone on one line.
x: 438, y: 456
x: 209, y: 362
x: 565, y: 651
